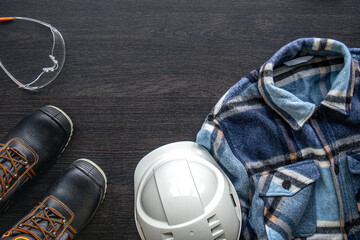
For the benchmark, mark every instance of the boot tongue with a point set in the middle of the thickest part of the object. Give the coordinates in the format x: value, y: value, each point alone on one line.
x: 7, y: 164
x: 44, y: 224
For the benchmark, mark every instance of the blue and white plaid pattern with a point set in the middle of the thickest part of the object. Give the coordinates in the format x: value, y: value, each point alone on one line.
x: 288, y: 137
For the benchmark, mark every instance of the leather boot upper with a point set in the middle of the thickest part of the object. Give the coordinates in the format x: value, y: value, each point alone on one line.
x: 31, y: 146
x: 67, y: 206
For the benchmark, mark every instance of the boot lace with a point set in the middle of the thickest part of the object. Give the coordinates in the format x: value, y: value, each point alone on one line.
x: 47, y: 222
x: 17, y: 161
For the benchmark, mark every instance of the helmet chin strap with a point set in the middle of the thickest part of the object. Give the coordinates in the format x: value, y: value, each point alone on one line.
x: 54, y: 69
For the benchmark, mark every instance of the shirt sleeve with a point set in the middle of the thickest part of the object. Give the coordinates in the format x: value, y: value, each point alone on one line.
x: 212, y: 138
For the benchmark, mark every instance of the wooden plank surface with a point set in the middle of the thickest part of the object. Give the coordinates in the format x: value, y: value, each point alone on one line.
x: 140, y: 74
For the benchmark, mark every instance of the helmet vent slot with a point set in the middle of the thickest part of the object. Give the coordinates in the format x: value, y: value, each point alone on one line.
x: 216, y: 229
x: 167, y: 236
x: 233, y: 199
x: 213, y: 221
x: 222, y: 237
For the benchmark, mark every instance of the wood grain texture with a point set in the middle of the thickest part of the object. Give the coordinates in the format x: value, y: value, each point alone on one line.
x: 143, y: 73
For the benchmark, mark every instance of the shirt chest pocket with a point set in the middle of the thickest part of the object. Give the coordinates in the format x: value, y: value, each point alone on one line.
x: 353, y: 161
x: 288, y: 203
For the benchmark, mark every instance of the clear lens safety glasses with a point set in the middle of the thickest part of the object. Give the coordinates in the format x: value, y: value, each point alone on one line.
x: 47, y: 64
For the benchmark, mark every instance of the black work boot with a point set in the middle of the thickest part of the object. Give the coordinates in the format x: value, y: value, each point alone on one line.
x: 67, y: 206
x: 31, y: 146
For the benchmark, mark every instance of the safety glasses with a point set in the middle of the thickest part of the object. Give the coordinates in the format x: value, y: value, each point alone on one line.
x: 47, y: 58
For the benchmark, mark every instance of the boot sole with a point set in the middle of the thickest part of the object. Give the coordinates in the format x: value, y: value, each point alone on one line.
x: 99, y: 169
x: 70, y: 121
x: 102, y: 200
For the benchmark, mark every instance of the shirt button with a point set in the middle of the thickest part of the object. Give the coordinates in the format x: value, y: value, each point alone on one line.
x: 336, y: 169
x: 286, y: 184
x: 315, y: 114
x: 347, y: 229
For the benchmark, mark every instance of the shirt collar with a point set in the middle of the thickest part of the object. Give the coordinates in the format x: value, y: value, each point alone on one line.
x: 295, y: 111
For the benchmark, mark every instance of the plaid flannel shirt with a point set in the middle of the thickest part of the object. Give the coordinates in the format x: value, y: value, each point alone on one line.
x: 288, y: 137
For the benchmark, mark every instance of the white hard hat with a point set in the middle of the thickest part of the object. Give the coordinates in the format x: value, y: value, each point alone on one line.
x: 182, y: 194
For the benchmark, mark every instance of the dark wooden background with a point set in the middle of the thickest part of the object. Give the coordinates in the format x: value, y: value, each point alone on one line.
x: 143, y: 73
